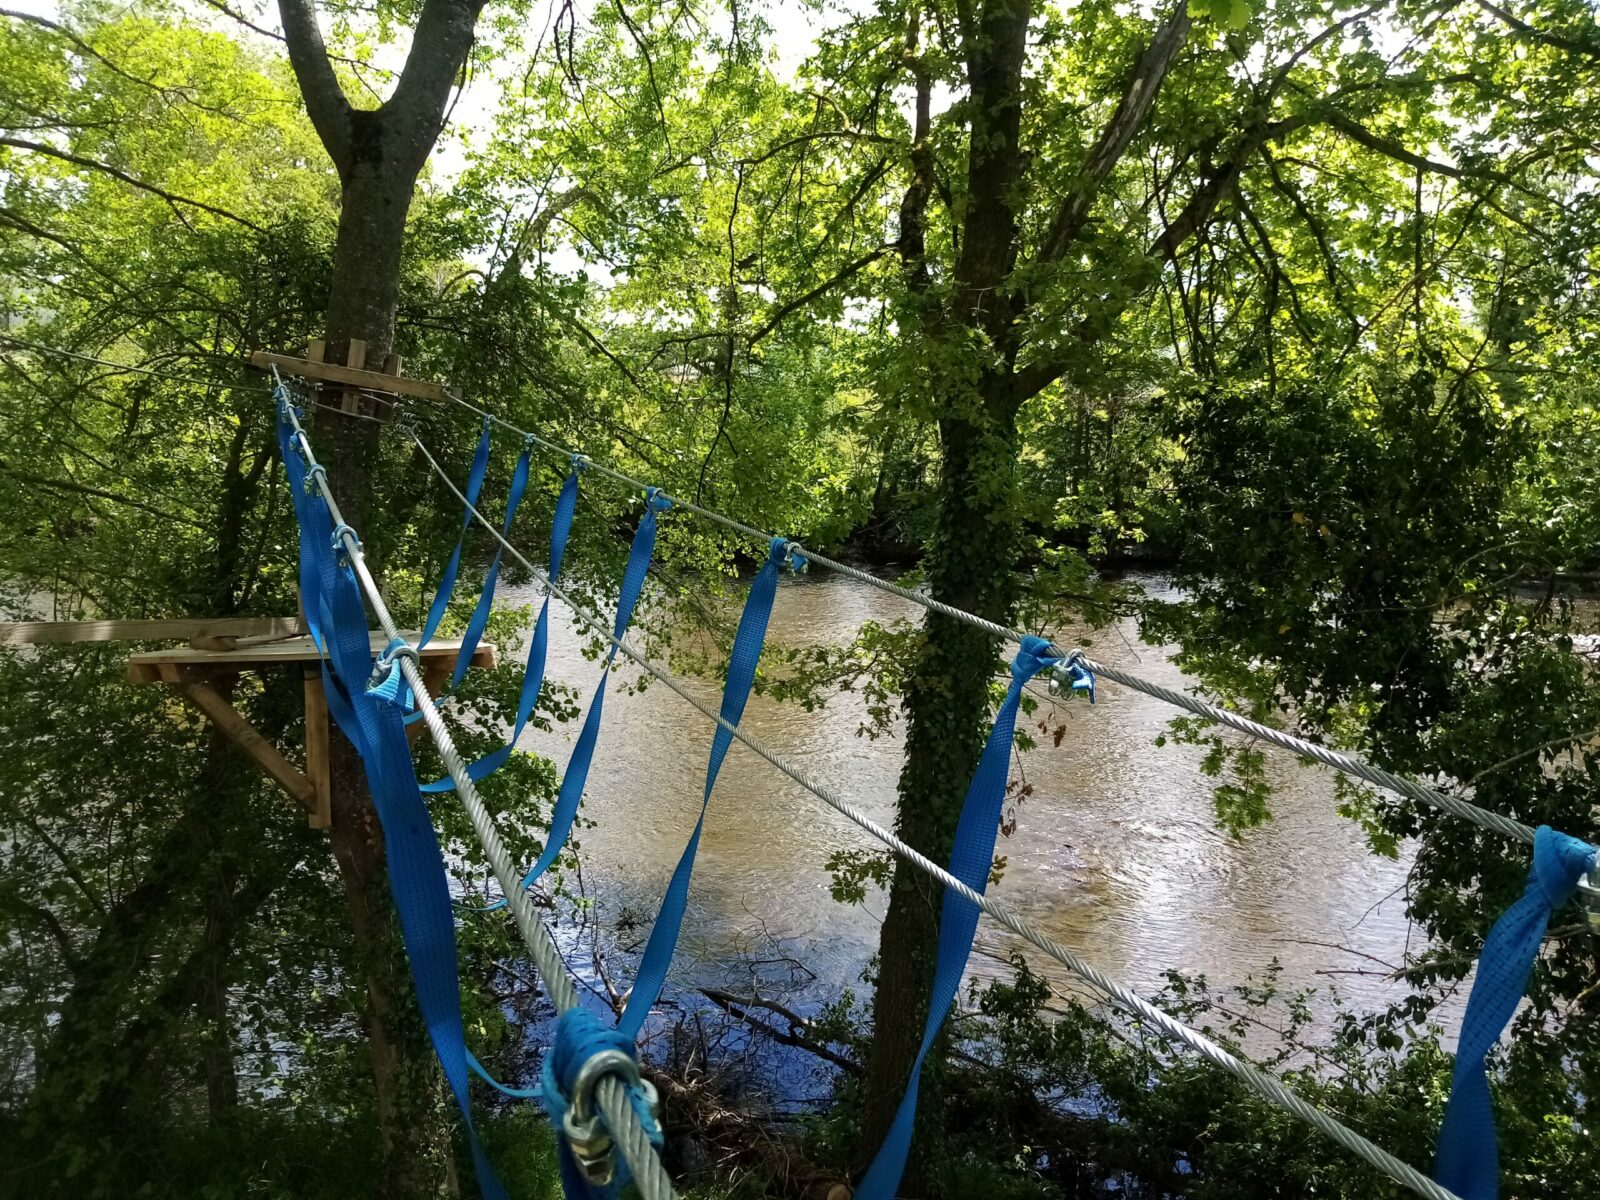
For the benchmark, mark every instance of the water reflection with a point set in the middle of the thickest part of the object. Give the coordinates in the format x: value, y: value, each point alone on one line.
x: 1115, y: 854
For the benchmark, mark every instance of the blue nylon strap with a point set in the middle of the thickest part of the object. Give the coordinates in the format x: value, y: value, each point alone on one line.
x: 480, y: 615
x: 477, y: 1068
x: 417, y: 877
x: 570, y: 796
x: 447, y: 581
x: 747, y: 646
x: 538, y: 648
x: 1468, y: 1160
x: 971, y: 859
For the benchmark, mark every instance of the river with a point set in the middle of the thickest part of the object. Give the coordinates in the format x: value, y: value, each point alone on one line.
x: 1115, y: 854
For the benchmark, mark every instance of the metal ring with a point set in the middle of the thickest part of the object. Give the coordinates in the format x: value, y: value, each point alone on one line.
x: 603, y: 1062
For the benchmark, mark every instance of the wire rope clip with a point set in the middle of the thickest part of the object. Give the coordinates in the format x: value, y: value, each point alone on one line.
x: 392, y: 653
x: 1072, y: 676
x: 1589, y: 895
x: 590, y: 1140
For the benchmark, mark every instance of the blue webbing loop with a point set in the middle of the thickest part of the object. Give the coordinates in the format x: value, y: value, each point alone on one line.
x: 576, y: 777
x: 971, y: 859
x: 480, y: 615
x: 579, y: 1037
x: 1468, y: 1158
x: 538, y: 648
x: 747, y: 646
x: 417, y: 880
x: 447, y: 581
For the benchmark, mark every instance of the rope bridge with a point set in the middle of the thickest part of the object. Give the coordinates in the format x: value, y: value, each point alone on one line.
x: 588, y: 1054
x: 590, y: 1081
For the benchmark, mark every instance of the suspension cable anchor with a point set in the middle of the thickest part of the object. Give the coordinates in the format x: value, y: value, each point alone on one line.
x: 590, y: 1140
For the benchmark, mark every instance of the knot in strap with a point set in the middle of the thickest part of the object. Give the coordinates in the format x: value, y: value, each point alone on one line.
x: 1032, y: 657
x: 656, y: 500
x: 1559, y: 863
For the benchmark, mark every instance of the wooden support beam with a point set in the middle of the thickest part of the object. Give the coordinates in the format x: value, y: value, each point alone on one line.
x: 317, y: 750
x: 187, y: 629
x: 376, y: 381
x: 244, y: 735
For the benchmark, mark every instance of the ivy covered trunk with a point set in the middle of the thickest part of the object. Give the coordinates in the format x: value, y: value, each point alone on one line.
x: 969, y: 342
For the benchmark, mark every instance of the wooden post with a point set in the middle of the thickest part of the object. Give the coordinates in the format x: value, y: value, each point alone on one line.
x: 356, y: 359
x: 317, y: 749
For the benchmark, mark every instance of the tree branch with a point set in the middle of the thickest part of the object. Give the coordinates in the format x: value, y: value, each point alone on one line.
x: 1138, y: 95
x: 799, y: 302
x: 326, y: 103
x: 83, y: 489
x: 107, y: 169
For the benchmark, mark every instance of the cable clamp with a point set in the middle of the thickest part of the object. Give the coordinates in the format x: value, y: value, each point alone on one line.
x: 397, y: 649
x: 580, y: 463
x: 590, y: 1140
x: 316, y: 478
x: 1071, y: 675
x: 341, y: 552
x: 1589, y: 895
x: 795, y: 556
x: 656, y: 500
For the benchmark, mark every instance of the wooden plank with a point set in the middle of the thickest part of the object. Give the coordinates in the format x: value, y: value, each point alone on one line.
x: 317, y: 351
x: 244, y: 735
x: 333, y: 373
x: 317, y: 751
x: 175, y: 629
x: 355, y: 358
x: 147, y: 666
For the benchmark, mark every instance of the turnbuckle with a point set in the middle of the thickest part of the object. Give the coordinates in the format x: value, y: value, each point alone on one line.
x: 590, y: 1140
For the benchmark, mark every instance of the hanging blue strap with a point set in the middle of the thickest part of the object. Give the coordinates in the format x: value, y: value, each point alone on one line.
x: 971, y: 859
x: 538, y: 648
x: 1468, y: 1160
x: 747, y: 646
x: 570, y: 796
x: 417, y: 877
x: 480, y: 615
x: 447, y: 581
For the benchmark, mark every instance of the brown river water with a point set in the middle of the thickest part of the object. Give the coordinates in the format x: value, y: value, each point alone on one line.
x: 1115, y: 854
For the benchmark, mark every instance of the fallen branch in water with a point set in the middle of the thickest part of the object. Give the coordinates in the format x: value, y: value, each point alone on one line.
x: 797, y: 1034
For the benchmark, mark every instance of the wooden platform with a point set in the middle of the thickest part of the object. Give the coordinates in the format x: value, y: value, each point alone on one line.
x: 191, y: 670
x: 175, y: 666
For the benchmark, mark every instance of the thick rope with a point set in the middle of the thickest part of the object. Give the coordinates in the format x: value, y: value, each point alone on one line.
x: 610, y: 1094
x: 1264, y: 1085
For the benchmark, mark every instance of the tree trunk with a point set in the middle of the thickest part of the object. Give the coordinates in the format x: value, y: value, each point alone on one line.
x: 413, y: 1132
x: 971, y: 561
x: 971, y: 565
